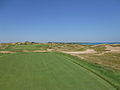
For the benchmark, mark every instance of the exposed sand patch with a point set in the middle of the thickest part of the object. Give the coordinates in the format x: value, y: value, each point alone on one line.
x: 5, y: 52
x: 49, y: 49
x: 112, y: 49
x: 38, y: 51
x: 88, y: 51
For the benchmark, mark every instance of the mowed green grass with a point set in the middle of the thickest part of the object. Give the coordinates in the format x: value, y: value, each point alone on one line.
x: 46, y: 71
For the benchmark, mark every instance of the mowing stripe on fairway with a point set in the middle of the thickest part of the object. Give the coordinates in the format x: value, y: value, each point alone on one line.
x: 46, y: 71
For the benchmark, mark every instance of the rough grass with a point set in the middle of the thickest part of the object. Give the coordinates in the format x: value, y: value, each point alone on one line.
x: 47, y: 71
x: 115, y: 45
x: 25, y: 47
x: 110, y: 60
x: 55, y: 47
x: 99, y: 48
x: 111, y: 75
x: 3, y: 54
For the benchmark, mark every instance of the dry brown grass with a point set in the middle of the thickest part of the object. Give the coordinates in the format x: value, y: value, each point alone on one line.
x: 111, y: 60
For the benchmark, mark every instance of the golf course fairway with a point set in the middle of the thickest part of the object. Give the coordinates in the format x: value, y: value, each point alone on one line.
x: 46, y: 71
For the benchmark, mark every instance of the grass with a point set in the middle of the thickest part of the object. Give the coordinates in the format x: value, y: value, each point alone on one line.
x: 115, y: 45
x: 110, y: 75
x: 47, y: 71
x: 1, y: 54
x: 110, y: 60
x: 99, y: 48
x: 24, y: 47
x: 65, y: 47
x: 106, y: 66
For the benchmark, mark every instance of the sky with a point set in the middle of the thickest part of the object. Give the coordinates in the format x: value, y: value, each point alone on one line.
x: 60, y: 20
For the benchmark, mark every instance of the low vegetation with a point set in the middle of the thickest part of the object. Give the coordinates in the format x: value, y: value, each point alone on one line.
x: 115, y: 45
x: 110, y: 60
x: 107, y: 73
x: 103, y: 64
x: 99, y: 48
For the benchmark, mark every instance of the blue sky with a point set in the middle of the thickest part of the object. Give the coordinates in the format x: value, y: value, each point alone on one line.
x: 59, y: 20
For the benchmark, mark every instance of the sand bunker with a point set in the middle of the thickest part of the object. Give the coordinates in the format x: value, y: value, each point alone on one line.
x: 88, y: 51
x: 5, y: 52
x: 112, y: 49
